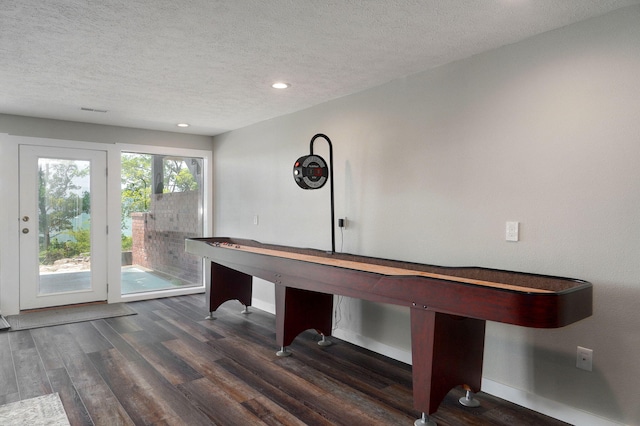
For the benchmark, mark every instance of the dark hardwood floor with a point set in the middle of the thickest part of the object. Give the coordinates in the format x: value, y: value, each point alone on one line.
x: 169, y: 366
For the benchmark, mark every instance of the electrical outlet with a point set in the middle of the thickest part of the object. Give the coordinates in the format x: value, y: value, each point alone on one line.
x: 512, y: 231
x: 584, y: 358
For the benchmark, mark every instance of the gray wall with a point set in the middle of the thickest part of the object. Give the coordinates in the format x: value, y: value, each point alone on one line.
x: 429, y: 168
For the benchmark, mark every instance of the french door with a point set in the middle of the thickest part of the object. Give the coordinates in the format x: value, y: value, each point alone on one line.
x: 63, y: 226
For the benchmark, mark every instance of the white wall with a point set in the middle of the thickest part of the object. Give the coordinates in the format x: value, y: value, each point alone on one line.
x: 429, y: 169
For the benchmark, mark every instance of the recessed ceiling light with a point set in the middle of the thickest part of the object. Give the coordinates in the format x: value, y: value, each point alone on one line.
x: 280, y: 85
x: 182, y: 125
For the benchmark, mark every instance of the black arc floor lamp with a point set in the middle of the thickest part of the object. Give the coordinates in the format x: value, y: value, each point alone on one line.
x: 311, y: 172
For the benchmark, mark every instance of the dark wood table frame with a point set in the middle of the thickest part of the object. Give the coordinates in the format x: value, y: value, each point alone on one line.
x: 448, y: 306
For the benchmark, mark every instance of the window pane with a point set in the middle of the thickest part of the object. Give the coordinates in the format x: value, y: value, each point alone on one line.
x: 162, y: 204
x: 64, y: 222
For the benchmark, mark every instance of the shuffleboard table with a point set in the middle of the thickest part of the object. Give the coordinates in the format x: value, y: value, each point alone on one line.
x: 449, y: 306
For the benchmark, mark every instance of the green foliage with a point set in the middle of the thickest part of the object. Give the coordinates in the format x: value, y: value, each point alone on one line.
x: 136, y: 183
x: 178, y: 177
x: 78, y: 246
x: 127, y: 243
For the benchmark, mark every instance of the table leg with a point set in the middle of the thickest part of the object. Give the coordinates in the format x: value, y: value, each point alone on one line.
x: 298, y: 310
x: 228, y: 284
x: 447, y: 351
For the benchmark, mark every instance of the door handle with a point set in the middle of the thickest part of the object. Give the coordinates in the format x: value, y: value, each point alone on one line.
x: 25, y: 230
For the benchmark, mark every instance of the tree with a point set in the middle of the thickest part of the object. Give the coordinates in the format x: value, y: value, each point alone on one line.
x: 61, y: 197
x: 136, y: 183
x: 177, y: 177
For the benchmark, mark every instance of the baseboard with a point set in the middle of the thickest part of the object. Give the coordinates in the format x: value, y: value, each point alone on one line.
x: 545, y: 406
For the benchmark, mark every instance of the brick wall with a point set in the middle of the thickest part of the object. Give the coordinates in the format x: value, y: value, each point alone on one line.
x: 158, y: 235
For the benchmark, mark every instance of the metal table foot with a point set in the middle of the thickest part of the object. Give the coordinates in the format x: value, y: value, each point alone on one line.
x: 283, y: 352
x: 468, y: 400
x: 424, y: 421
x: 324, y: 342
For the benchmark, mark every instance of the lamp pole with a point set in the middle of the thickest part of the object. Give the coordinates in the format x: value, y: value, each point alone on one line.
x: 333, y: 228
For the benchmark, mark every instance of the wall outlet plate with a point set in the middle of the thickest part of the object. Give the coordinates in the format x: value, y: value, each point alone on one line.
x: 584, y: 358
x: 512, y: 231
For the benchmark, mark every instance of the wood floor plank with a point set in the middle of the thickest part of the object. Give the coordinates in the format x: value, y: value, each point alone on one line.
x: 508, y: 414
x: 217, y: 404
x: 9, y: 398
x: 149, y: 331
x: 117, y: 341
x: 31, y: 376
x: 21, y: 339
x: 187, y: 326
x: 130, y: 387
x: 198, y: 358
x: 73, y: 405
x: 243, y: 349
x: 8, y: 379
x: 293, y: 404
x: 271, y: 413
x: 375, y: 400
x: 270, y: 372
x: 78, y: 365
x: 47, y: 348
x: 123, y: 324
x: 88, y: 337
x: 354, y: 410
x: 186, y: 308
x: 147, y: 396
x: 171, y: 367
x: 342, y: 370
x: 384, y: 367
x: 103, y: 407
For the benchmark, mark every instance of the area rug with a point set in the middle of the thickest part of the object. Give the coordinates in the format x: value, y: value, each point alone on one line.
x: 67, y: 315
x: 44, y: 410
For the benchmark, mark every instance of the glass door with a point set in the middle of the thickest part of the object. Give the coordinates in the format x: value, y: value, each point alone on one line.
x: 63, y: 226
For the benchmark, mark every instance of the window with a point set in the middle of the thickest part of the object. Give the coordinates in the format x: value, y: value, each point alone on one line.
x: 162, y: 204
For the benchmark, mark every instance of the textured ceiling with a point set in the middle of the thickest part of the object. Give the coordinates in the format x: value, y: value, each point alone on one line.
x: 210, y: 63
